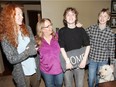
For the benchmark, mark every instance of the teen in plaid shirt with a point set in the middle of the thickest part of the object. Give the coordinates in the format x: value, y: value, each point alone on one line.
x: 102, y: 44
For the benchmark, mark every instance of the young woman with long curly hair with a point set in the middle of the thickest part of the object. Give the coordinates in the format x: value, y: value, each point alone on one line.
x: 18, y: 44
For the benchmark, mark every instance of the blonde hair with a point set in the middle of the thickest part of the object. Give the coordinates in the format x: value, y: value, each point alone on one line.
x: 39, y: 34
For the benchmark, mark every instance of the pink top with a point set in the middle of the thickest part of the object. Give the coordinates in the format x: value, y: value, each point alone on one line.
x: 49, y: 57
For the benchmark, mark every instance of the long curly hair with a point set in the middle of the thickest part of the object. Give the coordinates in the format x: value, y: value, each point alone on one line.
x: 8, y: 26
x: 39, y: 28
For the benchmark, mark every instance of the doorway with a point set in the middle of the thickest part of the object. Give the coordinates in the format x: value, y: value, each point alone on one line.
x: 33, y: 19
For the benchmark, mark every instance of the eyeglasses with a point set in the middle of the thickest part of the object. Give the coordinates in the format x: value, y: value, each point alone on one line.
x: 48, y: 26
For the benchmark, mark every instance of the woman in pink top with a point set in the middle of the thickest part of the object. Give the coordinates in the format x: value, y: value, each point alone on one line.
x: 49, y: 51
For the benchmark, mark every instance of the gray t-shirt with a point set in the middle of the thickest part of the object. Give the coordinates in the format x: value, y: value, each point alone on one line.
x: 75, y: 57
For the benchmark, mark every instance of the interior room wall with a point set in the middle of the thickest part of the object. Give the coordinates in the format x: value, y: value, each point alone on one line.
x: 88, y: 10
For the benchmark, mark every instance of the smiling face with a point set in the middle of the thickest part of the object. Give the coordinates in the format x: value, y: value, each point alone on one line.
x: 103, y: 18
x: 18, y: 16
x: 70, y: 17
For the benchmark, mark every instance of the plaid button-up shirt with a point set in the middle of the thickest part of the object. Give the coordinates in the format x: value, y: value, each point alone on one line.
x: 102, y: 44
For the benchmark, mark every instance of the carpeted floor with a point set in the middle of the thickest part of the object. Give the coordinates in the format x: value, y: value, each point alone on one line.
x: 6, y: 81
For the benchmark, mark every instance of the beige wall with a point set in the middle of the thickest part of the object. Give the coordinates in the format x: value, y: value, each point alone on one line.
x: 88, y: 10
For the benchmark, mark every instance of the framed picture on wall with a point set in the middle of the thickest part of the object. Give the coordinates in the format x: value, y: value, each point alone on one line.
x: 113, y: 21
x: 113, y: 6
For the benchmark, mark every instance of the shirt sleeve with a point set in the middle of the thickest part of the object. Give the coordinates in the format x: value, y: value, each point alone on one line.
x: 112, y: 48
x: 86, y: 40
x: 61, y: 38
x: 89, y: 31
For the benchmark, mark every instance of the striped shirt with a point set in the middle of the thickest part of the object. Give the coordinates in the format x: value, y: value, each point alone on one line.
x: 102, y: 44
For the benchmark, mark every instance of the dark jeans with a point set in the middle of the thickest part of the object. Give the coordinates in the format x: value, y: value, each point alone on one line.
x: 32, y: 81
x: 53, y: 80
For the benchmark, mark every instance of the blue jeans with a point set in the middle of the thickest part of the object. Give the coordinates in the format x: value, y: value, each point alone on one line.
x: 78, y: 75
x: 53, y: 80
x: 93, y: 71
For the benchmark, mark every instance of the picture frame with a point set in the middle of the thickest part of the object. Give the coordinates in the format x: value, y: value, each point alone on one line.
x: 113, y: 21
x: 113, y: 6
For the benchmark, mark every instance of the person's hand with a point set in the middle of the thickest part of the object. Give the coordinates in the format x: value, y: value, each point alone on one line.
x: 31, y: 49
x: 36, y: 47
x: 82, y: 64
x: 68, y: 64
x: 79, y: 24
